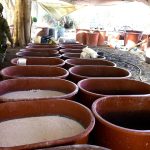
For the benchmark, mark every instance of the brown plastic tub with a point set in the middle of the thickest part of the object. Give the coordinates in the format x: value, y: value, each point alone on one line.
x: 38, y: 54
x: 62, y: 51
x: 37, y: 45
x: 70, y: 55
x: 62, y: 107
x: 33, y: 71
x: 123, y: 123
x: 57, y: 62
x: 76, y: 55
x: 69, y: 88
x: 73, y: 46
x: 92, y: 89
x: 78, y: 147
x: 47, y: 51
x: 40, y: 49
x: 78, y: 73
x: 72, y: 62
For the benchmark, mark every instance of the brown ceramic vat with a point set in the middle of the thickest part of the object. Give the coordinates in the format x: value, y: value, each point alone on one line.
x: 75, y: 55
x: 132, y: 36
x: 92, y: 39
x: 78, y: 147
x: 39, y: 50
x: 73, y: 62
x: 70, y: 55
x: 101, y: 38
x: 33, y: 71
x: 81, y: 35
x: 38, y: 54
x: 62, y: 51
x: 122, y: 122
x: 24, y: 84
x: 41, y: 45
x: 92, y: 89
x: 49, y: 107
x: 73, y: 46
x: 49, y: 61
x: 78, y: 73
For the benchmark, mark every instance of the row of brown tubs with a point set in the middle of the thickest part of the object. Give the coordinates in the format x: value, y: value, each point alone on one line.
x: 113, y: 114
x: 111, y: 100
x: 61, y: 45
x: 46, y: 50
x: 64, y: 53
x: 75, y: 73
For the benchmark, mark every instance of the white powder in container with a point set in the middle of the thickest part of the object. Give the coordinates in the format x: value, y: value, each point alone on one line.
x: 31, y: 94
x: 31, y: 130
x: 22, y: 61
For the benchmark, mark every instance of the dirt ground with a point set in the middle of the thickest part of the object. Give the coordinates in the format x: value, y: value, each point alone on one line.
x: 134, y: 61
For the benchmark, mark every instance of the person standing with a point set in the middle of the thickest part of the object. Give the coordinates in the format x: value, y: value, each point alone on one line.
x: 4, y: 32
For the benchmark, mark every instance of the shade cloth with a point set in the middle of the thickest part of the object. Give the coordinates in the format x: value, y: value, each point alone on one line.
x: 57, y: 8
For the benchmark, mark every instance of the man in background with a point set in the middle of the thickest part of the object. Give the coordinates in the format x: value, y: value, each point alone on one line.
x: 4, y: 32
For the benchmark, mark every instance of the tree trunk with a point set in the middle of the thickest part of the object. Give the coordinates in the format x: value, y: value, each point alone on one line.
x: 27, y: 20
x: 22, y: 22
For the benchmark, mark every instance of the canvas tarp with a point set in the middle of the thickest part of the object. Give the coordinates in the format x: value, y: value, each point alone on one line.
x: 56, y: 8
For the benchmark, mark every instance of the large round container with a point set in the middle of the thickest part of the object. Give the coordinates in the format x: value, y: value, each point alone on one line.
x: 62, y: 51
x: 38, y: 54
x: 70, y: 55
x: 78, y: 147
x: 78, y: 73
x: 33, y: 71
x: 26, y: 84
x: 43, y: 32
x: 81, y: 35
x: 92, y: 89
x: 59, y: 107
x: 123, y: 123
x: 92, y: 39
x: 50, y: 61
x: 72, y: 62
x: 101, y: 39
x: 40, y: 50
x: 73, y: 46
x: 42, y: 45
x: 76, y: 55
x: 132, y: 38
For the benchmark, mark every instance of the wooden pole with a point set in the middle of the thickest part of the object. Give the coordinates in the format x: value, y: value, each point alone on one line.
x: 22, y: 22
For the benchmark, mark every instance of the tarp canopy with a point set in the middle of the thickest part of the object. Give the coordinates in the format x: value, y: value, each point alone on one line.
x: 134, y: 14
x: 57, y: 8
x: 104, y: 2
x: 60, y: 8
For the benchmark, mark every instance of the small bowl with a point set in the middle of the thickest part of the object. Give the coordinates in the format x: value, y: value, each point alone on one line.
x: 33, y: 71
x: 69, y: 88
x: 122, y: 122
x: 78, y: 61
x: 58, y: 107
x: 92, y: 89
x: 78, y: 73
x: 49, y: 61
